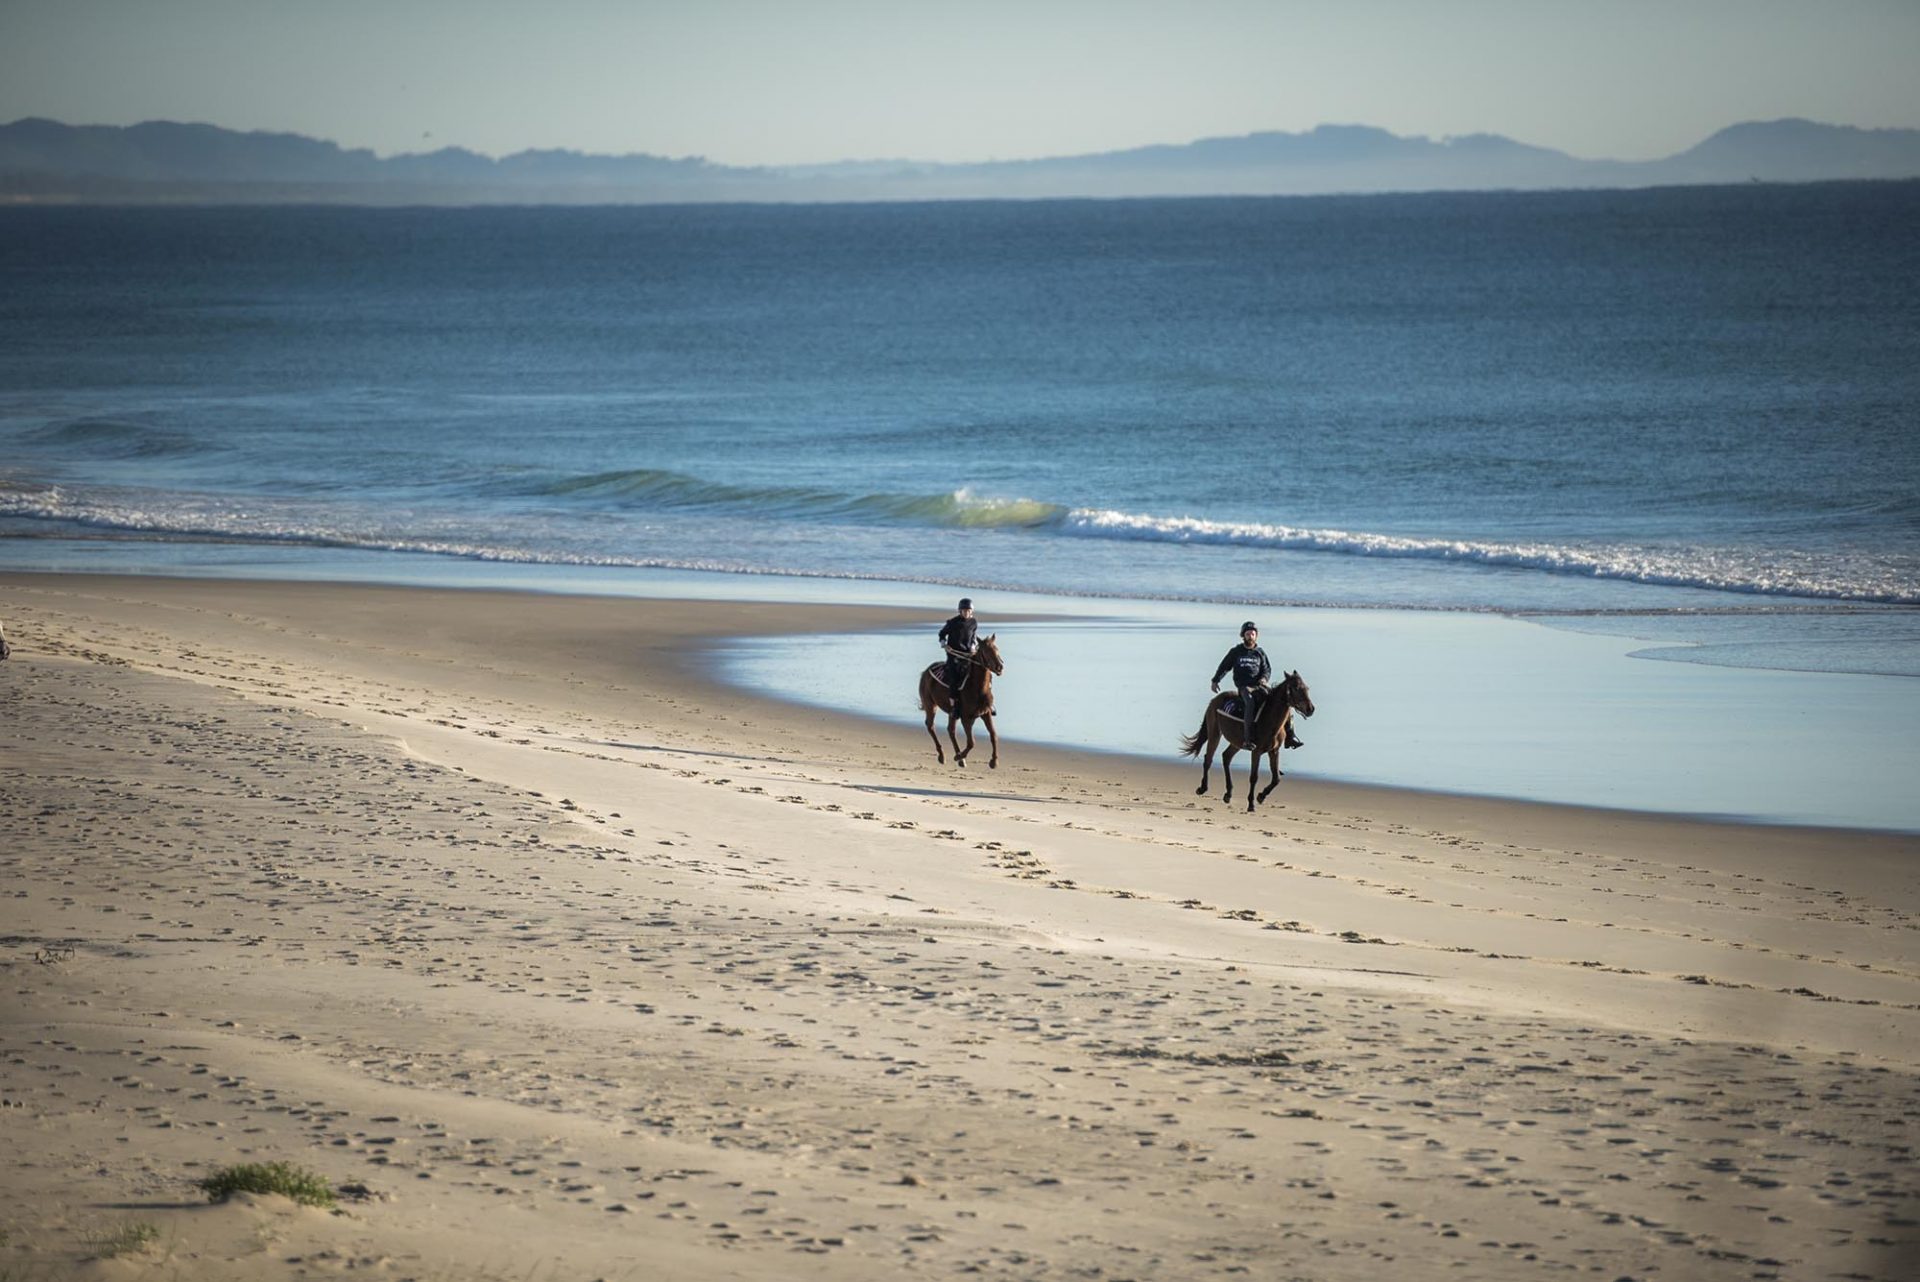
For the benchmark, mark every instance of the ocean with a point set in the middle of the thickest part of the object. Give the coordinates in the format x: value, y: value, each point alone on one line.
x: 1688, y: 416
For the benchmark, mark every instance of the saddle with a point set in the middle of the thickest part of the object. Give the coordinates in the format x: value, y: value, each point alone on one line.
x: 1232, y: 710
x: 938, y: 671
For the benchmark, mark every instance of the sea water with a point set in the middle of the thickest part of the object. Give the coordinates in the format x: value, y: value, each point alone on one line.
x: 1680, y: 421
x: 1443, y: 701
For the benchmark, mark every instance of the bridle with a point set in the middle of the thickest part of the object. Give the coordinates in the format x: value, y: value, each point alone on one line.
x: 1294, y: 691
x: 996, y: 667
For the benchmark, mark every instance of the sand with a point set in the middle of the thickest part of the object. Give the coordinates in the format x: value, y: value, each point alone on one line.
x: 570, y: 962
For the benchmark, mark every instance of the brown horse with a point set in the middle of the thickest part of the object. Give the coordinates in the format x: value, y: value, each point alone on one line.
x: 1269, y: 732
x: 975, y: 701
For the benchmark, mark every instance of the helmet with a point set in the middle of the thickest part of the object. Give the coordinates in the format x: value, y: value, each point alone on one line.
x: 1248, y: 627
x: 966, y: 603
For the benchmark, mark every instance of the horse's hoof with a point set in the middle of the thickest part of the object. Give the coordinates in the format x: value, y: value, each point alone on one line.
x: 1201, y: 791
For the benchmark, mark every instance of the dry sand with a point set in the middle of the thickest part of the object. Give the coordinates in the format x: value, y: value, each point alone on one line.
x: 576, y: 964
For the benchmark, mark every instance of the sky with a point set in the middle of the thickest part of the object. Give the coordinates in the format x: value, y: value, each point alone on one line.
x: 796, y: 81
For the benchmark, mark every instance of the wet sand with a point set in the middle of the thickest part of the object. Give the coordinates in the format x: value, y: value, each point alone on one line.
x: 578, y: 963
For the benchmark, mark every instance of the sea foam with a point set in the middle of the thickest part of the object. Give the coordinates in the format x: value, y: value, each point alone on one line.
x: 454, y: 532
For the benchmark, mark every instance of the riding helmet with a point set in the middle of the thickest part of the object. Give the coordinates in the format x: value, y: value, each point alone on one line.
x: 966, y: 603
x: 1248, y: 626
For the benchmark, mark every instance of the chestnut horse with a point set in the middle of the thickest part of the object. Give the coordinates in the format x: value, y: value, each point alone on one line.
x: 1269, y: 732
x: 975, y: 700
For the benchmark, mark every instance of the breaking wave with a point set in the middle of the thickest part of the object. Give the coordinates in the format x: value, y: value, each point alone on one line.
x: 1724, y: 570
x: 649, y: 487
x: 450, y: 531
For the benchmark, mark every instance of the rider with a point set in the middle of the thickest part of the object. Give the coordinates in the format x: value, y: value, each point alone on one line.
x: 957, y: 635
x: 1251, y: 670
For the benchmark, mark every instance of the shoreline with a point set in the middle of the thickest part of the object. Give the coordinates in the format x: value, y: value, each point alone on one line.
x: 649, y: 660
x: 567, y: 951
x: 832, y: 616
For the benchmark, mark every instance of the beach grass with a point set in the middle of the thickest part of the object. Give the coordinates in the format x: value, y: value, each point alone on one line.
x: 289, y: 1181
x: 120, y: 1239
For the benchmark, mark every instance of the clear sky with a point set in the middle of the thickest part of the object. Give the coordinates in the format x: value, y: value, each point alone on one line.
x: 790, y: 81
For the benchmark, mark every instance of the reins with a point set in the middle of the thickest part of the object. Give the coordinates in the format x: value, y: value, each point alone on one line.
x: 1278, y: 694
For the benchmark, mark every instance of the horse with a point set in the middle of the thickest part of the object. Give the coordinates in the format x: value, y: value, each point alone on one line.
x: 1269, y: 732
x: 975, y: 700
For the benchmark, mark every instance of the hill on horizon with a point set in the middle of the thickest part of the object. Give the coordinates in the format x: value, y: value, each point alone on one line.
x: 46, y: 161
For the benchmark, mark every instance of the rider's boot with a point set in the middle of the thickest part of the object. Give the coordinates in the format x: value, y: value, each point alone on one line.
x: 1294, y: 740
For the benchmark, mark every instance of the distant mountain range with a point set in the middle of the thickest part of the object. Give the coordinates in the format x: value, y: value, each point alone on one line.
x: 44, y: 161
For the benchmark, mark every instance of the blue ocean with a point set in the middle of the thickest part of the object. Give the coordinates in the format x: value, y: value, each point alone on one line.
x: 1680, y: 415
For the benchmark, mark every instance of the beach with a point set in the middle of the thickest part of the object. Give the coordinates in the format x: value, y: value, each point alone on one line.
x: 568, y: 959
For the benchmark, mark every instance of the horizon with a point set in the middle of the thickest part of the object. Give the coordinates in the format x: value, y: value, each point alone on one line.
x: 749, y: 83
x: 915, y: 160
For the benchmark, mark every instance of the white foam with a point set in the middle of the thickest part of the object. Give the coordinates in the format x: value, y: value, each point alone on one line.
x: 1719, y: 569
x: 1796, y: 574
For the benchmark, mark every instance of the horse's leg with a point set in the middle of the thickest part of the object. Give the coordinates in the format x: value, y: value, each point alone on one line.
x: 959, y: 755
x: 966, y: 720
x: 1206, y: 761
x: 939, y: 752
x: 1273, y: 753
x: 930, y: 706
x: 993, y: 762
x: 1227, y: 753
x: 1253, y: 778
x: 1273, y: 768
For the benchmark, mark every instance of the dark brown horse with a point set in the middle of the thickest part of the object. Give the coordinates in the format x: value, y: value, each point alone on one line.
x: 1269, y: 732
x: 975, y: 700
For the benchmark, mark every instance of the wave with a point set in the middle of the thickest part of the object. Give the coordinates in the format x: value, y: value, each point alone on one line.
x: 1721, y: 570
x: 111, y: 438
x: 1839, y: 577
x: 651, y: 487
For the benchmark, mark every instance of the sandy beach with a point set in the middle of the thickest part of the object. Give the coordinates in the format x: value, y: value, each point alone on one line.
x: 569, y: 961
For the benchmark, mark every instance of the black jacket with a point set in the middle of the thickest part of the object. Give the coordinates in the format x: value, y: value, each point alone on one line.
x: 959, y: 633
x: 1249, y: 665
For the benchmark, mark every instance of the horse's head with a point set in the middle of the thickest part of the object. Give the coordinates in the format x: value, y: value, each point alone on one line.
x: 1294, y: 690
x: 989, y: 654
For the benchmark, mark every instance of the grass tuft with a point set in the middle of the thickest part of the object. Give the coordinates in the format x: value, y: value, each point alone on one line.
x: 284, y: 1178
x: 121, y: 1239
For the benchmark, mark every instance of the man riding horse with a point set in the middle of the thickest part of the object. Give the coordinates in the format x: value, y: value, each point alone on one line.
x: 1251, y: 671
x: 962, y: 685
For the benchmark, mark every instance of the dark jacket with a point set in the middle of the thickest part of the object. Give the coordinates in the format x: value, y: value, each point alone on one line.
x: 1249, y: 665
x: 959, y: 633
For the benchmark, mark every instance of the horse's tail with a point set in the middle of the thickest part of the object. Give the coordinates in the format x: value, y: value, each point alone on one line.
x: 1191, y: 744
